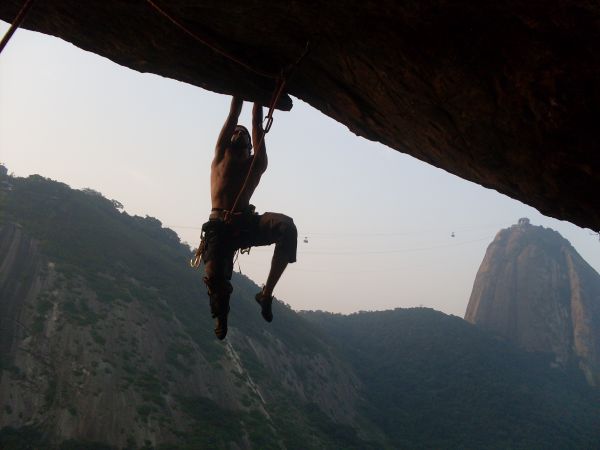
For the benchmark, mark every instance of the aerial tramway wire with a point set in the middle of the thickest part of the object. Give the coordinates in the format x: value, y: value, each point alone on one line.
x: 386, y: 252
x: 333, y: 235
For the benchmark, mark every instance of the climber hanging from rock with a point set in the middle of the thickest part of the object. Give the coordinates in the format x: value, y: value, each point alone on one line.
x: 233, y: 224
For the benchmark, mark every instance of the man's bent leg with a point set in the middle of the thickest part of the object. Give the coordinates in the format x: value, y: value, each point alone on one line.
x: 280, y: 230
x: 279, y: 262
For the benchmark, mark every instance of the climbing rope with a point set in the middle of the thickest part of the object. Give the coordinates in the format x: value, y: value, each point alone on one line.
x: 277, y: 92
x: 279, y: 89
x: 210, y: 44
x: 281, y: 80
x: 16, y: 23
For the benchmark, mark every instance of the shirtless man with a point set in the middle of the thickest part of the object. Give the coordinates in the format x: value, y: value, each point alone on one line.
x: 244, y: 228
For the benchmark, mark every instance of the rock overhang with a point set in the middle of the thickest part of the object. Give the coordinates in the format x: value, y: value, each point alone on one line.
x: 505, y: 94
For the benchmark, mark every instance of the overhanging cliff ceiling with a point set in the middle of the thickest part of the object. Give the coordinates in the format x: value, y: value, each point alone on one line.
x: 505, y: 94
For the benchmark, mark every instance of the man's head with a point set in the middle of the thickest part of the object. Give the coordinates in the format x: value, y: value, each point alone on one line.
x: 240, y: 139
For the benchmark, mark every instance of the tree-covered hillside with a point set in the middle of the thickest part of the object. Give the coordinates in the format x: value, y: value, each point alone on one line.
x: 435, y: 381
x: 106, y: 342
x: 111, y: 341
x: 86, y: 235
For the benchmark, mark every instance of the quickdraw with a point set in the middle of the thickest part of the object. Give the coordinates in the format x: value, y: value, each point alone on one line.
x: 197, y: 258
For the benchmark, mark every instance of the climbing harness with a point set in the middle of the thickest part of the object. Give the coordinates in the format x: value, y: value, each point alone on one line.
x: 16, y: 23
x: 197, y: 258
x: 217, y: 214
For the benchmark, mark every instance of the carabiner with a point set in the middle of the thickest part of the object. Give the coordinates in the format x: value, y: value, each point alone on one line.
x: 269, y: 122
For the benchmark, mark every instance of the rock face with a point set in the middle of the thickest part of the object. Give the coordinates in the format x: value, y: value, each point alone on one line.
x: 118, y: 347
x: 20, y: 279
x: 505, y: 94
x: 127, y: 373
x: 534, y: 289
x: 106, y: 336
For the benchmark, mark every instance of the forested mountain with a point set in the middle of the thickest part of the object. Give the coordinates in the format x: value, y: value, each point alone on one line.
x: 106, y: 342
x: 107, y: 337
x: 435, y: 381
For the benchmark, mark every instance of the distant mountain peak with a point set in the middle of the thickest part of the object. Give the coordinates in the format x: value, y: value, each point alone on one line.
x: 535, y: 289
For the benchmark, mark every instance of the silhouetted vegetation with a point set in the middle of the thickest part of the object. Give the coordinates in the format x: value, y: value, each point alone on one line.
x: 122, y: 259
x: 76, y: 444
x: 25, y: 438
x: 427, y: 380
x: 120, y: 256
x: 435, y: 381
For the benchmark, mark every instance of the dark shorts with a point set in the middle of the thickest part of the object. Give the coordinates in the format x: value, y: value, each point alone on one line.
x: 222, y: 239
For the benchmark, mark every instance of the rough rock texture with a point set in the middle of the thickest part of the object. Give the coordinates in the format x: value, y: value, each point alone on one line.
x: 534, y: 289
x: 20, y: 281
x: 118, y: 373
x: 505, y: 94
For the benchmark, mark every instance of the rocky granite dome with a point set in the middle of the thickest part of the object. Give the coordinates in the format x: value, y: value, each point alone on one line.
x: 534, y: 289
x: 505, y: 94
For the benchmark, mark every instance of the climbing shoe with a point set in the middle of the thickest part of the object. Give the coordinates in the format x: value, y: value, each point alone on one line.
x: 265, y: 302
x: 220, y: 311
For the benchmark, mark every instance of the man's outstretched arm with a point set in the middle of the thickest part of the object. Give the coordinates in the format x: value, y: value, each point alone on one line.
x: 257, y: 133
x: 228, y: 127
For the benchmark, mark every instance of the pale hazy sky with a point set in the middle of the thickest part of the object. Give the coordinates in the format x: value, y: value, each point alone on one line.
x: 378, y: 222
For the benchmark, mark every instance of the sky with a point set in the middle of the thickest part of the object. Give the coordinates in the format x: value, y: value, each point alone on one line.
x: 378, y: 223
